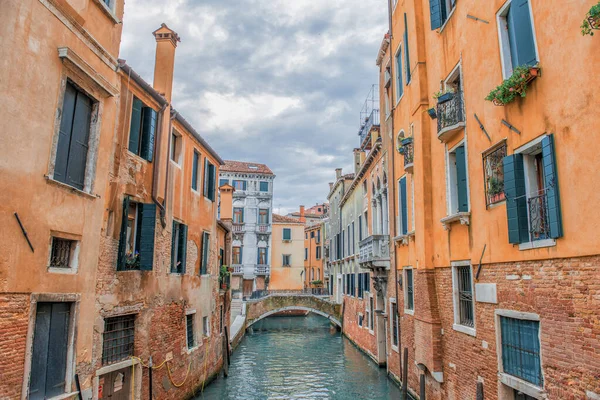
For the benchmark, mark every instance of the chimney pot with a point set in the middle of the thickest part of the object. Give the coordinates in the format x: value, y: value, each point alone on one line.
x: 302, y: 218
x: 164, y: 64
x: 338, y: 173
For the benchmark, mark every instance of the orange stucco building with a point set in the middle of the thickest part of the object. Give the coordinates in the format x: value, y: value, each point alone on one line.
x: 287, y: 266
x: 313, y: 256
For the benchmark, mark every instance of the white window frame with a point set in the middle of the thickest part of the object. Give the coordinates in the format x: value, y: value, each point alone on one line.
x: 452, y: 179
x: 412, y: 200
x: 455, y: 299
x: 506, y: 382
x: 504, y: 41
x: 393, y: 302
x: 399, y: 73
x: 404, y: 287
x: 206, y: 326
x: 450, y: 14
x: 177, y: 148
x: 198, y: 172
x: 73, y: 256
x: 371, y: 314
x: 197, y: 342
x: 359, y: 322
x: 399, y: 216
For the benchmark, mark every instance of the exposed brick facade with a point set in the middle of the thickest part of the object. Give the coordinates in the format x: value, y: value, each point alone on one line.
x: 14, y: 320
x: 363, y: 337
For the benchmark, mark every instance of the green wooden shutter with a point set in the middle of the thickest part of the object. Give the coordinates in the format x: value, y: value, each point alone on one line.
x: 399, y: 86
x: 516, y: 201
x: 174, y: 234
x: 551, y: 185
x: 148, y: 133
x: 205, y: 190
x: 39, y: 357
x: 64, y: 135
x: 205, y: 248
x: 182, y: 250
x: 520, y: 31
x: 461, y: 179
x: 57, y: 349
x: 195, y: 170
x: 146, y: 235
x: 403, y: 207
x: 80, y: 135
x: 437, y: 9
x: 123, y: 236
x: 406, y: 53
x: 135, y: 126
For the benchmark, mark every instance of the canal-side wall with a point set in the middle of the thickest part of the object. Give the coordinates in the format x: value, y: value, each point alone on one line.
x: 362, y: 336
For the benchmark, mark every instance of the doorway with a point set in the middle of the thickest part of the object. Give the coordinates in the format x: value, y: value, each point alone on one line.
x: 115, y: 385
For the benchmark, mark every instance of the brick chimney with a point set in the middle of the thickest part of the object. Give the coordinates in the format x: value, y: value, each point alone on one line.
x: 164, y: 64
x: 338, y: 173
x: 302, y: 218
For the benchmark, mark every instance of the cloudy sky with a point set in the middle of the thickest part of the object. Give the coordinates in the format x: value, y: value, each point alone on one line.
x: 279, y: 82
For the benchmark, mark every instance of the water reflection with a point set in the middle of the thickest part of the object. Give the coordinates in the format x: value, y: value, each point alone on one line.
x: 300, y: 358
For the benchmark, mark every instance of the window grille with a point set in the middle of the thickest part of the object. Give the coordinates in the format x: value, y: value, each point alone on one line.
x: 394, y: 324
x: 465, y: 295
x: 410, y: 299
x: 118, y: 338
x: 521, y: 349
x: 61, y: 253
x: 189, y: 319
x: 494, y: 175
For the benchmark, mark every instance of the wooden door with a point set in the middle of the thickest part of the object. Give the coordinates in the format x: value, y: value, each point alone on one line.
x: 115, y: 385
x: 248, y: 286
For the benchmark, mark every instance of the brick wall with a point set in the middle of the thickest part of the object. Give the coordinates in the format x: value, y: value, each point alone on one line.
x: 361, y: 336
x: 14, y: 320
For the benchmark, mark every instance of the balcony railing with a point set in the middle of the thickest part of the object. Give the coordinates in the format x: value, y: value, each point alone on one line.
x: 370, y: 121
x: 374, y: 252
x: 261, y: 270
x: 238, y: 269
x: 539, y: 226
x: 450, y: 113
x: 262, y: 228
x: 407, y: 150
x: 238, y: 227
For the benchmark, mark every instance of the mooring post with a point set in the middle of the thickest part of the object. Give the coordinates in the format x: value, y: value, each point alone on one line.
x: 422, y: 386
x: 150, y: 378
x: 405, y: 375
x: 479, y: 390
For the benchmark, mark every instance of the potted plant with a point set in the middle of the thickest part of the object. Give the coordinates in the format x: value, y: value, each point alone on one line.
x: 317, y: 283
x: 132, y: 260
x: 224, y: 277
x: 514, y: 86
x: 495, y: 189
x: 444, y: 95
x: 591, y: 21
x: 403, y: 143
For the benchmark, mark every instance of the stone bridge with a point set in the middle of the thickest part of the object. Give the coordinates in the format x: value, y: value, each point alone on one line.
x: 272, y: 303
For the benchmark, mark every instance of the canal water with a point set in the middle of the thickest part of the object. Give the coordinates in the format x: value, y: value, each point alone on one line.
x: 300, y: 358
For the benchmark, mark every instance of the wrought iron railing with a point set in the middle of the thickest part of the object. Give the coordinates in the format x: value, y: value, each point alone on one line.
x: 261, y: 269
x: 259, y: 294
x: 450, y: 112
x: 407, y: 150
x: 372, y: 120
x: 539, y: 227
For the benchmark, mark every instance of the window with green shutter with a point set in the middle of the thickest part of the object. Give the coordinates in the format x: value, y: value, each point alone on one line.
x: 516, y: 36
x: 406, y: 53
x: 142, y: 129
x: 458, y: 199
x: 136, y: 239
x: 178, y: 248
x: 521, y: 349
x: 195, y: 163
x: 205, y: 253
x: 210, y: 179
x: 287, y: 234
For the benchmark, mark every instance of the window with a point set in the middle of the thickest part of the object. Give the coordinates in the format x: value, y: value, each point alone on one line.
x: 210, y: 178
x: 264, y: 186
x: 319, y: 236
x: 353, y: 239
x: 406, y: 54
x: 494, y: 174
x: 312, y: 234
x: 191, y: 339
x: 136, y: 239
x: 287, y: 260
x: 50, y: 350
x: 305, y: 235
x: 236, y: 253
x: 195, y: 170
x: 318, y: 274
x: 440, y: 12
x: 305, y: 254
x: 521, y: 349
x: 402, y: 207
x: 178, y: 248
x: 73, y: 139
x: 532, y: 194
x: 205, y: 253
x: 176, y: 145
x: 462, y: 281
x: 409, y: 291
x: 262, y: 256
x: 287, y: 234
x: 364, y: 187
x: 361, y: 288
x: 366, y: 222
x: 118, y: 338
x: 394, y: 323
x: 63, y: 253
x: 318, y: 252
x: 263, y: 216
x: 367, y: 282
x: 239, y: 185
x: 360, y: 228
x: 142, y: 129
x: 223, y: 182
x: 205, y: 326
x: 371, y: 313
x: 517, y: 41
x: 457, y: 181
x: 312, y: 274
x: 360, y: 319
x: 238, y: 215
x: 399, y: 85
x: 221, y: 319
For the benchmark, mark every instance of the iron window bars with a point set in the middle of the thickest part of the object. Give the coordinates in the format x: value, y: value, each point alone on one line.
x: 465, y: 296
x: 118, y: 338
x: 61, y: 253
x: 494, y: 175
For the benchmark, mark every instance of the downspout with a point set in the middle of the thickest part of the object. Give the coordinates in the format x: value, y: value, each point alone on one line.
x: 173, y: 116
x: 393, y: 203
x: 160, y: 206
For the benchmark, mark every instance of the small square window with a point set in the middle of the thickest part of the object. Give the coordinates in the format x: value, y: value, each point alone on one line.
x: 63, y: 253
x: 264, y: 186
x: 287, y: 260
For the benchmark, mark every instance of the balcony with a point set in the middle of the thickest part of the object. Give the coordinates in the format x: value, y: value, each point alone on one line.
x: 261, y: 269
x: 371, y: 121
x: 369, y: 114
x: 374, y: 252
x: 450, y: 115
x: 238, y: 269
x: 408, y: 151
x: 263, y: 228
x: 237, y: 227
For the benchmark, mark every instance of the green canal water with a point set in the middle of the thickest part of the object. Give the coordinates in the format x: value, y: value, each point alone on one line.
x: 300, y: 358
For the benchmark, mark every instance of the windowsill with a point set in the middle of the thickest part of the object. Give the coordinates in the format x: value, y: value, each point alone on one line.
x: 107, y: 11
x: 464, y: 329
x: 398, y: 100
x: 537, y: 244
x: 371, y: 331
x: 175, y: 163
x: 496, y: 204
x: 409, y: 312
x: 62, y: 271
x: 137, y: 157
x: 395, y: 348
x: 463, y: 217
x: 403, y: 239
x: 192, y: 349
x: 116, y: 366
x: 194, y: 191
x: 64, y: 396
x: 522, y: 386
x: 71, y: 188
x: 447, y: 19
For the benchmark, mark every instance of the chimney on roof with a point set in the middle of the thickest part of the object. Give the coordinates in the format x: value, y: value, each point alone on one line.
x: 226, y: 206
x: 164, y: 63
x: 338, y: 173
x: 302, y: 218
x: 330, y: 186
x: 358, y: 159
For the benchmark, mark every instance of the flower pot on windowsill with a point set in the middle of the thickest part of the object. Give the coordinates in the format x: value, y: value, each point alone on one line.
x: 445, y: 97
x: 496, y: 198
x: 224, y: 286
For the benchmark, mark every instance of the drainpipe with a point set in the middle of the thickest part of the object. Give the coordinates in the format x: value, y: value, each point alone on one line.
x: 393, y: 203
x: 160, y: 206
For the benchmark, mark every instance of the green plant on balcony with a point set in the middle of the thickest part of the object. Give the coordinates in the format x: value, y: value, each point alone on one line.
x: 132, y: 260
x: 448, y: 90
x: 591, y: 21
x: 317, y: 282
x: 224, y: 277
x: 514, y: 86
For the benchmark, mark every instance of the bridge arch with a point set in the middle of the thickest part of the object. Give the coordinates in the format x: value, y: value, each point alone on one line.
x: 331, y: 318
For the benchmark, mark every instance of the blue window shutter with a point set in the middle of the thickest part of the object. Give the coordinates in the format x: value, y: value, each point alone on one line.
x: 57, y: 349
x: 520, y: 30
x: 39, y: 357
x: 182, y: 251
x: 205, y: 192
x: 80, y: 135
x: 403, y: 207
x: 205, y: 247
x: 195, y: 170
x: 64, y: 136
x: 148, y: 133
x: 551, y: 184
x: 123, y: 235
x: 135, y: 125
x: 174, y: 234
x: 437, y: 11
x: 146, y: 235
x: 516, y: 202
x: 406, y: 52
x: 212, y: 170
x: 461, y: 179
